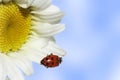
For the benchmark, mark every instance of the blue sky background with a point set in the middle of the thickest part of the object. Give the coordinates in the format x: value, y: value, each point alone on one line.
x: 91, y: 39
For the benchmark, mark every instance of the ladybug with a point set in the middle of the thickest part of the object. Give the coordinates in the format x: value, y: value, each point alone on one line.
x: 51, y: 61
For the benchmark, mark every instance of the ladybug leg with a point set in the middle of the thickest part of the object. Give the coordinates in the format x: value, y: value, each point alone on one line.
x: 60, y: 60
x: 46, y: 66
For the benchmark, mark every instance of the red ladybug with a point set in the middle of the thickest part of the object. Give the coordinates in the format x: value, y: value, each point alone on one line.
x: 51, y: 61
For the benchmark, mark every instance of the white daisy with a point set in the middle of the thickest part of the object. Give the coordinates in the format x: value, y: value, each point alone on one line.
x: 27, y: 28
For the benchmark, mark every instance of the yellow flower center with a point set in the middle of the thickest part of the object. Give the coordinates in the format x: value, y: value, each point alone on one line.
x: 15, y: 24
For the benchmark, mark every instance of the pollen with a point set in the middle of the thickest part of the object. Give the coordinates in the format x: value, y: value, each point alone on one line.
x: 15, y: 25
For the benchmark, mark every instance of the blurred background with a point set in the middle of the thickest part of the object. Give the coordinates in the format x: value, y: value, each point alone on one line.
x: 91, y: 39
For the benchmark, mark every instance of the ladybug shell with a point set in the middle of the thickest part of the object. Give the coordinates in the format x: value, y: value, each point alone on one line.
x: 51, y: 61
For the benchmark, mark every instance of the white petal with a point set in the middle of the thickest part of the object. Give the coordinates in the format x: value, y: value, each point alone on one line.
x: 36, y: 43
x: 24, y: 65
x: 51, y: 9
x: 52, y: 14
x: 52, y: 39
x: 34, y: 55
x: 0, y: 0
x: 55, y: 49
x: 40, y: 4
x: 2, y: 69
x: 12, y: 71
x: 45, y: 29
x: 21, y: 61
x: 33, y: 49
x: 24, y: 3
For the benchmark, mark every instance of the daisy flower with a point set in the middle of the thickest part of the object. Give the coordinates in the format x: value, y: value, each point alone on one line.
x: 27, y: 28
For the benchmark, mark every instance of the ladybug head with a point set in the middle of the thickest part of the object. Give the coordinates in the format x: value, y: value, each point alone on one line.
x: 60, y: 59
x: 42, y: 62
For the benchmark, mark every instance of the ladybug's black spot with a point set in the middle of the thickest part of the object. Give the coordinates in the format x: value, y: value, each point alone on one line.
x: 46, y: 58
x: 47, y: 63
x: 52, y: 63
x: 52, y: 58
